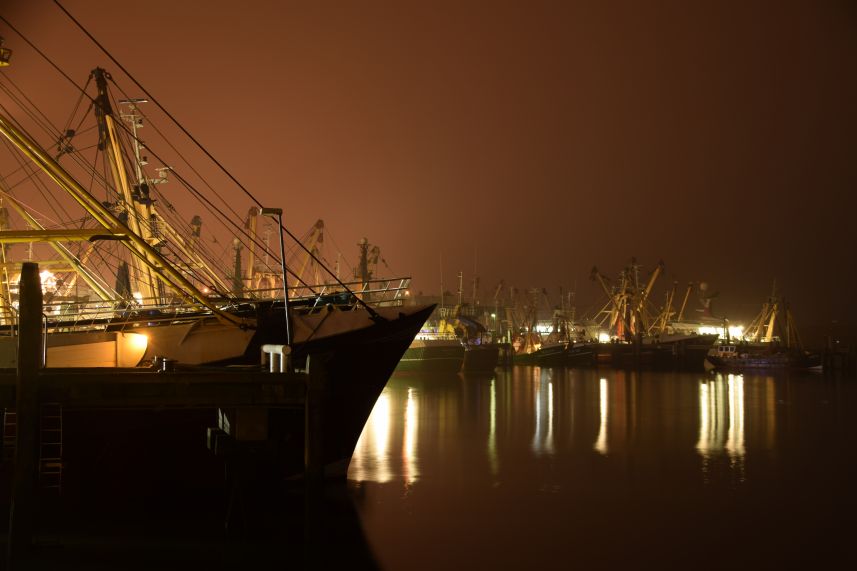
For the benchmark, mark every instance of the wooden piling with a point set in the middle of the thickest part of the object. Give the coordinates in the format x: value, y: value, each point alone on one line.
x: 314, y: 420
x: 30, y: 362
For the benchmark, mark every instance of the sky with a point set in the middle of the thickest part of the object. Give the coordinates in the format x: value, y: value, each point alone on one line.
x: 529, y: 141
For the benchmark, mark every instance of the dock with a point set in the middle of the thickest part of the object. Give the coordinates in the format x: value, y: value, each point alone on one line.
x: 240, y: 431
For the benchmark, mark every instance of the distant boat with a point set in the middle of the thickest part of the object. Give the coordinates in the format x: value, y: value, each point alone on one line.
x: 771, y: 341
x: 741, y: 357
x: 481, y: 359
x: 481, y: 350
x: 432, y: 355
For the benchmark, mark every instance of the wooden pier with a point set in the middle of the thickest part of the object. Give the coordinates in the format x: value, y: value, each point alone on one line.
x: 253, y: 425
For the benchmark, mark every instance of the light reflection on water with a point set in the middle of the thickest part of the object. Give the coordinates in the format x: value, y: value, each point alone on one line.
x: 575, y: 460
x: 601, y: 441
x: 527, y: 400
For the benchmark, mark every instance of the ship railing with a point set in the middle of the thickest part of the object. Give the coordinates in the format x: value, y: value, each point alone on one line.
x: 96, y: 315
x: 65, y: 315
x: 375, y: 292
x: 434, y: 336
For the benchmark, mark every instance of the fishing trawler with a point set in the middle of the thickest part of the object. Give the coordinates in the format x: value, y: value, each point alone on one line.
x: 127, y: 279
x: 639, y: 336
x: 771, y: 341
x: 548, y: 350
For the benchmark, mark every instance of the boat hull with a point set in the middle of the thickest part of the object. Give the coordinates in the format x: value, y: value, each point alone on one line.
x: 552, y: 356
x: 776, y: 361
x: 481, y: 359
x: 106, y: 448
x: 433, y: 356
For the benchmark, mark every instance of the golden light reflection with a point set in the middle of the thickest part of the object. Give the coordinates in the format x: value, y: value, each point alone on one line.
x: 371, y: 460
x: 601, y: 441
x: 721, y: 420
x: 409, y: 446
x: 735, y: 438
x: 543, y: 402
x: 492, y: 430
x: 712, y: 419
x: 549, y: 439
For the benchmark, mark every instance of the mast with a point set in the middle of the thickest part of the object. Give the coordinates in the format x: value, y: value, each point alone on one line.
x: 159, y: 231
x: 114, y: 227
x: 460, y: 286
x: 136, y: 204
x: 250, y: 225
x: 237, y: 281
x: 363, y: 267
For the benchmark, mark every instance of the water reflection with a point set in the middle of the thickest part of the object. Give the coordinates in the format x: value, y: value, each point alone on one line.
x: 735, y: 437
x: 543, y: 408
x: 546, y: 413
x: 371, y: 460
x: 535, y: 465
x: 721, y: 421
x: 601, y: 441
x: 409, y: 449
x: 492, y: 430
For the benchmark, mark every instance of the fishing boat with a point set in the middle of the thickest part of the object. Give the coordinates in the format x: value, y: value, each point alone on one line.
x: 637, y: 335
x: 128, y: 277
x: 481, y: 350
x: 771, y: 341
x: 741, y: 357
x: 431, y: 354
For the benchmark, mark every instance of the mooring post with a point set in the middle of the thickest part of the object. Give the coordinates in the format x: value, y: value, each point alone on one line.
x: 316, y: 395
x: 316, y: 400
x: 30, y: 361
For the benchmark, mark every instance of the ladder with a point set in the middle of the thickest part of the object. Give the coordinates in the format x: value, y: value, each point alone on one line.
x: 10, y: 433
x: 50, y: 446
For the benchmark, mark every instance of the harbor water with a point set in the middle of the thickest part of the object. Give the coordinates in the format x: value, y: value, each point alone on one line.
x: 536, y: 468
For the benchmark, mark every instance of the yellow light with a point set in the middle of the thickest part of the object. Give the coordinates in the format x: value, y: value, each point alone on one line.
x: 49, y: 281
x: 138, y: 340
x: 603, y: 337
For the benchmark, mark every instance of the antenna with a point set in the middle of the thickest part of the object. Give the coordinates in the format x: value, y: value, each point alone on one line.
x: 441, y: 280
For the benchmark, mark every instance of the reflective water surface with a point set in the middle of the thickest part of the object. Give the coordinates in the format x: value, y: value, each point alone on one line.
x: 585, y: 468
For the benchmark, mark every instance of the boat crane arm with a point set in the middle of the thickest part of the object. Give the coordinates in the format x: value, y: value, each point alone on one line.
x: 641, y: 303
x: 161, y: 268
x: 684, y: 302
x: 75, y: 263
x: 650, y: 285
x: 617, y: 308
x: 316, y: 236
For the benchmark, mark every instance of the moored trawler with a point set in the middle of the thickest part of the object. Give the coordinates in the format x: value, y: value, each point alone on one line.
x: 433, y: 355
x: 481, y: 359
x: 126, y: 281
x: 771, y: 341
x: 745, y: 357
x: 157, y: 289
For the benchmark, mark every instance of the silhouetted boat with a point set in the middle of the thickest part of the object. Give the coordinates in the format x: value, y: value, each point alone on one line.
x: 771, y: 341
x: 170, y: 295
x: 744, y: 357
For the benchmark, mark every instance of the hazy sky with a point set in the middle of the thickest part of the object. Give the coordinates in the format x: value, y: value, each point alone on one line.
x: 540, y: 138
